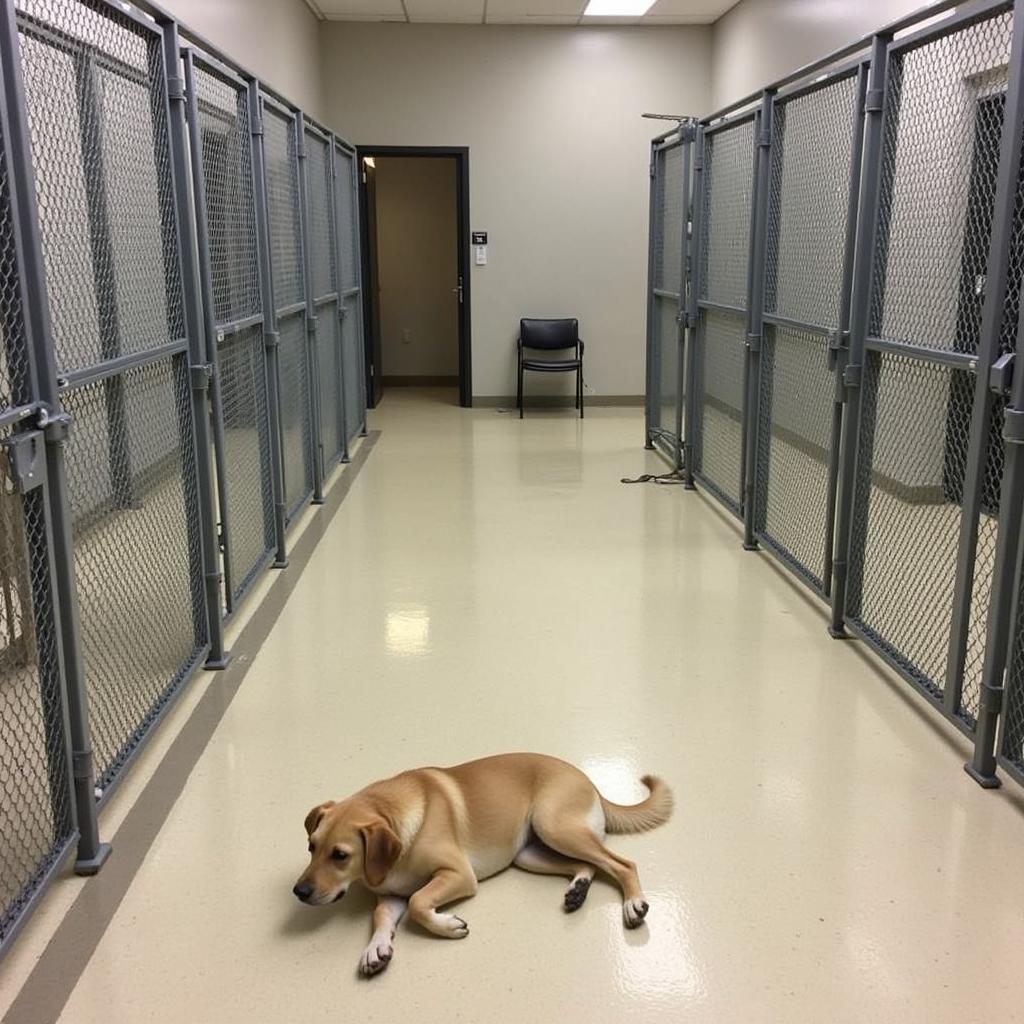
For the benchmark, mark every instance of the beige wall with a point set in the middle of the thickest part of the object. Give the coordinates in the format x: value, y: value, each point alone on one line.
x: 558, y: 164
x: 417, y: 257
x: 274, y: 39
x: 760, y: 40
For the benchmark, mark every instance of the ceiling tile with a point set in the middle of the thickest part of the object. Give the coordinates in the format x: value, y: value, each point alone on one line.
x: 692, y: 10
x: 534, y: 8
x: 448, y: 11
x: 363, y: 10
x: 532, y: 19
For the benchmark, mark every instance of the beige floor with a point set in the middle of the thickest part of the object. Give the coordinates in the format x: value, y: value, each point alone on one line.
x: 489, y: 585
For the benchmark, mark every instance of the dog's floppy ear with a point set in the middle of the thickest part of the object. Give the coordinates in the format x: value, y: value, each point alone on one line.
x: 314, y: 816
x: 381, y: 848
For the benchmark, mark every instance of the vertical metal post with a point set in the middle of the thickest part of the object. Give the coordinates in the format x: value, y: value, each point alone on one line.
x: 997, y: 270
x: 342, y: 312
x: 271, y: 335
x: 840, y: 349
x: 653, y: 228
x: 91, y: 852
x: 211, y: 338
x: 755, y: 307
x: 356, y: 250
x: 199, y: 360
x: 312, y: 356
x: 686, y: 141
x: 696, y: 250
x: 860, y: 310
x: 1005, y: 591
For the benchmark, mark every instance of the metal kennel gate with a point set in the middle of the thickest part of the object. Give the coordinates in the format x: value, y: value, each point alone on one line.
x: 719, y: 367
x: 667, y: 290
x: 161, y: 261
x: 859, y: 236
x: 224, y: 132
x: 321, y: 261
x: 814, y: 178
x: 345, y: 170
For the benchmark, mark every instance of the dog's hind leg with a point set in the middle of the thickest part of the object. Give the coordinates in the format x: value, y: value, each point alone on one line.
x: 447, y: 884
x: 378, y: 953
x: 542, y: 860
x: 575, y: 838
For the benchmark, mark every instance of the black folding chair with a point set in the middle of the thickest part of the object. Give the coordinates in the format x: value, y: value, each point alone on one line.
x: 551, y: 336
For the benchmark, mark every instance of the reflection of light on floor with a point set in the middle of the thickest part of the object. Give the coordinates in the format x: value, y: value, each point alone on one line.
x: 617, y: 778
x: 657, y: 964
x: 407, y: 630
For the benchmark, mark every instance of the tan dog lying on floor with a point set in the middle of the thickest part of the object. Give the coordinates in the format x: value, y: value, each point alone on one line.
x: 426, y: 837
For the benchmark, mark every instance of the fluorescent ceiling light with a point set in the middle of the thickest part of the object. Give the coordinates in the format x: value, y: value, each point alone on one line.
x: 617, y: 8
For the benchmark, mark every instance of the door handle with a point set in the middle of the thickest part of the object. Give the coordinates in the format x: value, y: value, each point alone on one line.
x: 458, y: 291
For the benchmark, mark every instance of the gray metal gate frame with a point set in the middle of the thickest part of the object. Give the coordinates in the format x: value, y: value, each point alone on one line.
x: 853, y: 349
x: 40, y: 440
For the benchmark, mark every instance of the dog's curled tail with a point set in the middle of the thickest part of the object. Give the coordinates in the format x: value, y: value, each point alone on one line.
x: 649, y: 813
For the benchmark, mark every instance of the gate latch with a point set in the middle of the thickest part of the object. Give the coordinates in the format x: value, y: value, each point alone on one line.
x: 25, y: 455
x: 851, y: 376
x: 754, y: 342
x: 1000, y: 376
x: 201, y: 376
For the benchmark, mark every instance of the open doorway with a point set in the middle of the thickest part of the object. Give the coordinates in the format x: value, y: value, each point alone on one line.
x: 414, y: 207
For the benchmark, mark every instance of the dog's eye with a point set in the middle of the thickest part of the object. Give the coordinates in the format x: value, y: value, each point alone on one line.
x: 339, y: 855
x: 312, y: 848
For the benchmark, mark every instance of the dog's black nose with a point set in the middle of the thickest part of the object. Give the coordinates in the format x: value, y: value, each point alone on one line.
x: 303, y: 890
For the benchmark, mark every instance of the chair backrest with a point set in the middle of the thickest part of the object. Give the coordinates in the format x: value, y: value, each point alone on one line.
x: 549, y: 334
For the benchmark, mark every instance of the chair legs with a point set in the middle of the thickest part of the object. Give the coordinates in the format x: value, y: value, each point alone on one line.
x: 519, y: 392
x: 579, y: 389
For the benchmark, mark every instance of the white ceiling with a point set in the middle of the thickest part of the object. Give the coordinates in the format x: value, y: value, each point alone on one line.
x: 513, y: 12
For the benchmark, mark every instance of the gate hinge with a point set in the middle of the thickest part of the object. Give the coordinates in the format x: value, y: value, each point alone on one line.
x: 311, y: 322
x: 1000, y: 375
x: 271, y: 339
x: 688, y: 132
x: 838, y: 341
x: 990, y: 698
x: 873, y: 101
x: 255, y: 125
x: 27, y: 460
x: 764, y: 138
x: 650, y: 170
x: 300, y: 145
x: 81, y: 764
x: 692, y: 319
x: 175, y: 88
x: 851, y: 376
x: 342, y: 311
x: 201, y: 375
x: 754, y: 342
x: 1013, y: 426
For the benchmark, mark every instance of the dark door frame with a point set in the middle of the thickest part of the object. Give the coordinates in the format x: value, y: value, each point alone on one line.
x: 461, y: 155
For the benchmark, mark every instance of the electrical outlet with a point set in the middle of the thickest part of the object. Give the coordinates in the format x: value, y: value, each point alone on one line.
x: 588, y: 389
x: 406, y: 336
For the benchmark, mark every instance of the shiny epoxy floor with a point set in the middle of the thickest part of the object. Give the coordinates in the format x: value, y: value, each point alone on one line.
x: 489, y: 585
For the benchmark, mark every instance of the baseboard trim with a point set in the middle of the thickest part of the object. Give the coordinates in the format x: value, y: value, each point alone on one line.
x: 556, y: 401
x: 420, y: 382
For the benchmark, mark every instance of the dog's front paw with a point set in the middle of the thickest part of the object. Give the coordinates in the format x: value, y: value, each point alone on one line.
x: 634, y: 912
x: 375, y: 958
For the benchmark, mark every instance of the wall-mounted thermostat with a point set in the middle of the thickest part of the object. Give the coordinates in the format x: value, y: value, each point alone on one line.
x: 480, y: 247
